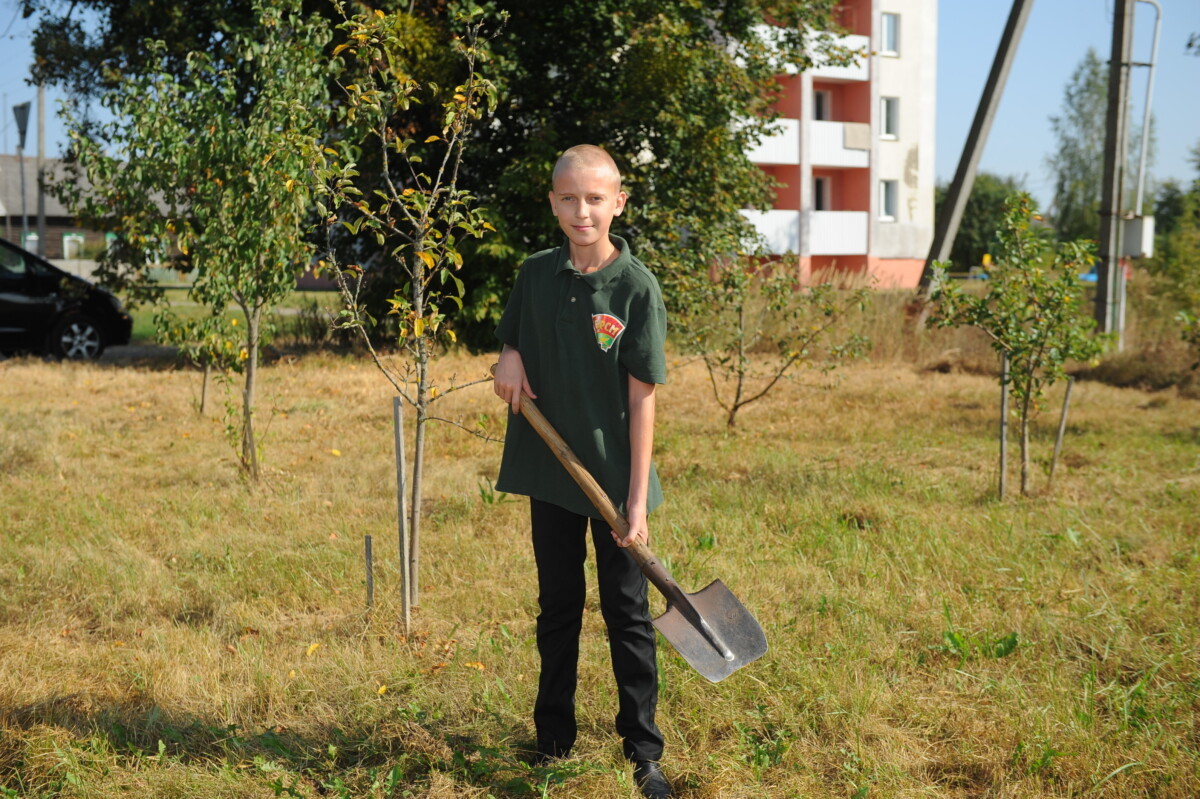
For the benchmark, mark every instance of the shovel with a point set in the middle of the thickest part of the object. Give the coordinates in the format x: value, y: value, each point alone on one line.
x: 711, y: 629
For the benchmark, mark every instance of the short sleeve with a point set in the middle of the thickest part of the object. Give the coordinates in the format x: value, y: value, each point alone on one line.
x: 509, y: 328
x: 642, y: 350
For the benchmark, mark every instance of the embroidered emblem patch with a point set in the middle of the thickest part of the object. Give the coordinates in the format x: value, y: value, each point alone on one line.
x: 608, y: 327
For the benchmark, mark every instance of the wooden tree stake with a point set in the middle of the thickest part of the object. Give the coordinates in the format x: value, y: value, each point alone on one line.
x: 1062, y: 428
x: 370, y: 572
x: 405, y: 572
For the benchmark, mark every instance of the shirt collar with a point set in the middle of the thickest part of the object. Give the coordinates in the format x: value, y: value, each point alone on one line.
x: 601, y: 277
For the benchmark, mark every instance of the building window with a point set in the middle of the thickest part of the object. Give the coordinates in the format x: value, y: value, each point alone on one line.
x: 821, y: 194
x: 72, y: 244
x: 890, y: 39
x: 889, y: 112
x: 887, y: 200
x: 822, y: 105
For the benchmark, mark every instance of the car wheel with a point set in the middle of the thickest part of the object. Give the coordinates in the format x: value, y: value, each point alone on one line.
x: 76, y: 338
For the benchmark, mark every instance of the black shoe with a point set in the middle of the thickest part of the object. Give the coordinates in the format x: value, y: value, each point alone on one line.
x: 650, y: 779
x: 547, y: 752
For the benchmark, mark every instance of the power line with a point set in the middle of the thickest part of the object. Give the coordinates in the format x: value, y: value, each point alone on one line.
x: 12, y: 21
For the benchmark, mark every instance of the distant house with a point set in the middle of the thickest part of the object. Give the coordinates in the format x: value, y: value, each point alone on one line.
x: 65, y: 239
x: 68, y: 245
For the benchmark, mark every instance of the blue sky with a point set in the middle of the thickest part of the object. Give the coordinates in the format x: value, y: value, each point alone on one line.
x: 1057, y: 36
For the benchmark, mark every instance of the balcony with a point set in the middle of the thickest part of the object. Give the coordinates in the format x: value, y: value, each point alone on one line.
x: 837, y: 233
x: 841, y: 144
x: 781, y: 229
x: 858, y: 71
x: 782, y: 148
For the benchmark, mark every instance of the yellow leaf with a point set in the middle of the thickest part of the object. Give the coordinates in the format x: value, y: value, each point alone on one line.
x: 312, y: 648
x: 382, y: 690
x: 418, y: 327
x: 427, y: 258
x: 353, y: 87
x: 432, y: 138
x: 337, y: 453
x: 290, y: 183
x: 233, y: 322
x: 453, y: 337
x: 433, y: 392
x: 292, y: 674
x: 340, y: 47
x: 331, y: 151
x: 379, y: 13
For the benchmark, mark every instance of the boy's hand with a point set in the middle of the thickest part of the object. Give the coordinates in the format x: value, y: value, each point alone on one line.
x: 638, y: 528
x: 510, y: 379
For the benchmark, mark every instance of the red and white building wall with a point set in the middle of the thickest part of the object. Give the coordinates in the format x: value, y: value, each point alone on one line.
x: 854, y: 150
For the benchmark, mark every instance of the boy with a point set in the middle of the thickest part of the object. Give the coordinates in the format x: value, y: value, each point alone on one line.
x: 583, y: 334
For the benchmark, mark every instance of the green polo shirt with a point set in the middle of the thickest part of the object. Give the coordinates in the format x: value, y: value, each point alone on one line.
x: 580, y: 337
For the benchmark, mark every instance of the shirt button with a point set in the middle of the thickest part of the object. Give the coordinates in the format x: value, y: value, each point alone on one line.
x: 572, y: 299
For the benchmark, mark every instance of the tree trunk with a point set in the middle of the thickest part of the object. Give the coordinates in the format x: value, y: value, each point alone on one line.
x: 1062, y: 429
x: 736, y: 404
x: 418, y: 468
x: 249, y: 450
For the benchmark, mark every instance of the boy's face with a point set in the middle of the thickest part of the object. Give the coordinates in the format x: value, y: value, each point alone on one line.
x: 585, y: 200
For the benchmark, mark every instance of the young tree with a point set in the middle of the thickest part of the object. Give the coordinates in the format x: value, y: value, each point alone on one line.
x: 1031, y: 312
x: 419, y: 219
x: 216, y: 168
x: 759, y: 326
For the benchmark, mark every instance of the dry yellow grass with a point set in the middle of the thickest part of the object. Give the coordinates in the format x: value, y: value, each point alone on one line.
x: 166, y: 630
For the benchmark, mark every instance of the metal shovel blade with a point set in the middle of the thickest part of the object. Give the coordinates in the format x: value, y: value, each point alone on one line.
x: 727, y: 617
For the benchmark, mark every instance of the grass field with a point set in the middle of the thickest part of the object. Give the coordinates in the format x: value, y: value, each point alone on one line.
x: 166, y: 631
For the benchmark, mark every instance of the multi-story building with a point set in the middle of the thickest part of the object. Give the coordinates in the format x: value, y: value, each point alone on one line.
x: 854, y: 152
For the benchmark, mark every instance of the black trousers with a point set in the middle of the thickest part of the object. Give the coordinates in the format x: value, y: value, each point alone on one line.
x: 560, y: 547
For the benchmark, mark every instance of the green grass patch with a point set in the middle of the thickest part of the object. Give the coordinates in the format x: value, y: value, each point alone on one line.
x: 167, y: 629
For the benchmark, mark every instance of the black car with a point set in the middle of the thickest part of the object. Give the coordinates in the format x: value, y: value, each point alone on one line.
x: 46, y: 310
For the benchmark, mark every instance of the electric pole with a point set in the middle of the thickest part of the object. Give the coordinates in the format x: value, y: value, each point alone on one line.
x: 964, y: 177
x: 41, y: 169
x: 1110, y: 282
x: 21, y: 114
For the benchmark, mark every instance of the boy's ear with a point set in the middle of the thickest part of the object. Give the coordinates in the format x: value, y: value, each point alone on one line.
x: 620, y: 203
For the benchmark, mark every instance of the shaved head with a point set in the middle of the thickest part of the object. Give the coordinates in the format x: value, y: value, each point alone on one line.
x: 586, y: 156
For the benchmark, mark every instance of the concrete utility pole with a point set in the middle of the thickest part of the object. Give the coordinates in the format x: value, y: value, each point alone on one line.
x: 1110, y: 282
x: 41, y: 171
x: 964, y: 177
x: 21, y: 114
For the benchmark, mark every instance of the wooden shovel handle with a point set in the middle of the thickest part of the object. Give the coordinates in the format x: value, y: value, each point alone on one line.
x: 646, y: 560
